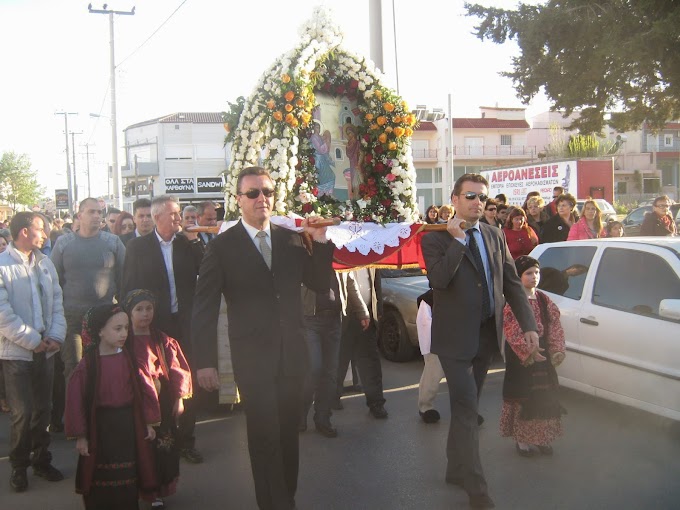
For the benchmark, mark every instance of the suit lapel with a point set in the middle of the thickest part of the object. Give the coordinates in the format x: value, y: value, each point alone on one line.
x: 489, y: 246
x: 157, y: 254
x: 278, y: 243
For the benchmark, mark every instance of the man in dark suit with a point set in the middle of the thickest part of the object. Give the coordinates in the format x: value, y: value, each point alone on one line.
x: 167, y: 264
x: 472, y: 274
x: 206, y: 216
x: 259, y: 268
x: 141, y: 212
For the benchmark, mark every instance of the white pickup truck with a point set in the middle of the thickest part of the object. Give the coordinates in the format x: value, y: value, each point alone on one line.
x: 620, y: 306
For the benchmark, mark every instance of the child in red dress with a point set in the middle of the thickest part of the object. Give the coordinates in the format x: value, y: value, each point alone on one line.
x: 110, y: 411
x: 531, y: 410
x: 160, y: 358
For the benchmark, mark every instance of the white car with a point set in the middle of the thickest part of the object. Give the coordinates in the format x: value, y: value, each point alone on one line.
x: 620, y: 305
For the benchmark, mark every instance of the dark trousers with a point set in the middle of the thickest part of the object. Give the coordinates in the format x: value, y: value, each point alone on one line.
x: 186, y: 423
x: 361, y: 347
x: 272, y: 407
x: 28, y: 385
x: 58, y: 392
x: 322, y: 334
x: 465, y: 379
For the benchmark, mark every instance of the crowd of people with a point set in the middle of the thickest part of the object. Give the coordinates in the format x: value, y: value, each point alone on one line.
x: 108, y: 332
x: 536, y: 222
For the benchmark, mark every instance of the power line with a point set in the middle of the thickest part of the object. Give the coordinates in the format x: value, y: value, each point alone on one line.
x: 154, y: 33
x: 99, y: 115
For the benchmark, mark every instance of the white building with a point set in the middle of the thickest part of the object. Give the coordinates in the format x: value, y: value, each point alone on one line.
x: 182, y: 154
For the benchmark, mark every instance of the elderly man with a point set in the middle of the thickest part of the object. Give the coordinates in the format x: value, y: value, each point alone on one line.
x: 141, y: 212
x: 259, y: 269
x: 167, y: 264
x: 659, y: 221
x: 32, y: 329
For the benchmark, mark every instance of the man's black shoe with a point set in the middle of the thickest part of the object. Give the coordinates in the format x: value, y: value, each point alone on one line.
x: 48, y: 472
x: 337, y: 405
x: 326, y: 429
x: 191, y: 455
x: 379, y: 411
x: 430, y: 416
x: 18, y: 480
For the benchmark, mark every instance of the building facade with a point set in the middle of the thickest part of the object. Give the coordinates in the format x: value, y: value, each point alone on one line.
x: 182, y: 154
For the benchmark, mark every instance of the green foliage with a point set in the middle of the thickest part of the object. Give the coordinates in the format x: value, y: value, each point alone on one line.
x: 593, y: 57
x: 621, y: 208
x: 588, y: 146
x: 232, y: 116
x: 18, y: 183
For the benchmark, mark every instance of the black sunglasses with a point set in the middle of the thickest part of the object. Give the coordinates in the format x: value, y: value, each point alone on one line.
x: 254, y: 193
x: 471, y: 195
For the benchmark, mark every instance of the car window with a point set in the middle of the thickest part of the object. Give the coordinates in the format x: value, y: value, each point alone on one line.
x: 638, y: 215
x: 564, y: 269
x: 634, y: 281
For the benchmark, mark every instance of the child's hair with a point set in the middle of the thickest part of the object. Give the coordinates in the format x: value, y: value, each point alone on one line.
x: 94, y: 321
x: 134, y: 297
x: 613, y: 224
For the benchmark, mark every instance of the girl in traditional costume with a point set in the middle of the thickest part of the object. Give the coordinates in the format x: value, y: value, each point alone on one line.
x: 160, y: 358
x: 110, y: 411
x: 531, y: 409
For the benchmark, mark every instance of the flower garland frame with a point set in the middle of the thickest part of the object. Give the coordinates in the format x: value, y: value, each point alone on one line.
x: 275, y: 125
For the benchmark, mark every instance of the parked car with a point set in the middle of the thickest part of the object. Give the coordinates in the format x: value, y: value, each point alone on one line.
x: 397, y: 334
x: 619, y: 300
x: 608, y: 211
x: 633, y: 222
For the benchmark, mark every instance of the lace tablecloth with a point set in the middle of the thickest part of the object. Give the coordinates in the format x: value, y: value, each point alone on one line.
x: 352, y: 236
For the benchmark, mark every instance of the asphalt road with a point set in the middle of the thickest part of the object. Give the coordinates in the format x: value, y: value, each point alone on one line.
x: 611, y: 457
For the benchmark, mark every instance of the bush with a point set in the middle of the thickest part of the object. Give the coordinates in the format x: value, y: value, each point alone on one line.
x: 623, y: 208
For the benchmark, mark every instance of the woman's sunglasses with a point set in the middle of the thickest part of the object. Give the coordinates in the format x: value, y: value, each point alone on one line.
x: 254, y: 193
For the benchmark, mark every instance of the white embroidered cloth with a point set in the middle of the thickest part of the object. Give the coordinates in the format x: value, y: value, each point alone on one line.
x: 351, y: 235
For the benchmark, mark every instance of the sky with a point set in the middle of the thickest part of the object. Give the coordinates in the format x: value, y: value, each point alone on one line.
x: 55, y: 57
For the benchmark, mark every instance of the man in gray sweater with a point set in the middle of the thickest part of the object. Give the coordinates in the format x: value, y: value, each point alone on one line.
x: 90, y: 268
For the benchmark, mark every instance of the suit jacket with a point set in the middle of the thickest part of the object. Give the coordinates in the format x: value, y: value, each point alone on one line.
x: 457, y: 285
x: 145, y: 269
x: 264, y: 308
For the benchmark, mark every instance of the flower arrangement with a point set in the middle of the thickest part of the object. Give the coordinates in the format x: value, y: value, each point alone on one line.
x: 275, y: 126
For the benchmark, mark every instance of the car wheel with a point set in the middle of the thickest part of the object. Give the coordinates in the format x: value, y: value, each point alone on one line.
x: 393, y: 339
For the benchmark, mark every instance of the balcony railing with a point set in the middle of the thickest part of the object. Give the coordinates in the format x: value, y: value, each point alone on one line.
x: 528, y: 151
x: 424, y: 153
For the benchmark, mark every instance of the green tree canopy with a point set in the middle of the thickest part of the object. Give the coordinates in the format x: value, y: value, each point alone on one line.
x: 594, y: 56
x: 18, y: 183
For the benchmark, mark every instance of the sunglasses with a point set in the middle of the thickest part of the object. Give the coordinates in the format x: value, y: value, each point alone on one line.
x: 471, y: 195
x: 491, y: 208
x: 254, y: 193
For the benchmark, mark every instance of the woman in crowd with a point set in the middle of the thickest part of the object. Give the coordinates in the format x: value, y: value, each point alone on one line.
x: 659, y: 222
x: 531, y: 409
x: 520, y: 236
x: 530, y: 195
x: 536, y: 214
x: 124, y: 224
x: 432, y: 214
x: 490, y: 210
x: 445, y: 212
x: 557, y: 227
x: 590, y: 224
x: 615, y: 229
x: 110, y: 411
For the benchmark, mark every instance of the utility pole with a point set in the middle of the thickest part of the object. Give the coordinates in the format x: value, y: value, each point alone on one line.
x: 136, y: 178
x: 75, y: 181
x: 117, y: 179
x: 68, y: 163
x: 87, y: 155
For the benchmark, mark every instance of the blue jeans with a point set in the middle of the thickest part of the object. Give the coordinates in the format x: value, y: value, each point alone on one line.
x: 322, y: 334
x: 29, y: 393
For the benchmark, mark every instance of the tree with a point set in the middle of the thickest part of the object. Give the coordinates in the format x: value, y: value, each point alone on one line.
x: 594, y: 56
x: 18, y: 183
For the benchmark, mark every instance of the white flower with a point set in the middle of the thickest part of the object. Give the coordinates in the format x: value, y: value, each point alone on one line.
x: 280, y: 206
x: 362, y: 203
